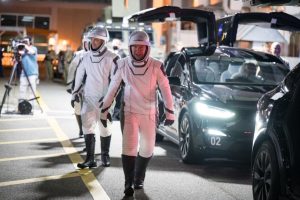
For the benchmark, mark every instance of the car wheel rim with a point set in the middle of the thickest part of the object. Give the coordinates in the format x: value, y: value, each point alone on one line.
x: 262, y: 176
x: 184, y: 136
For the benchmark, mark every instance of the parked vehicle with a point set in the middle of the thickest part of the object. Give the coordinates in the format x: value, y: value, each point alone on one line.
x: 276, y: 149
x: 215, y: 101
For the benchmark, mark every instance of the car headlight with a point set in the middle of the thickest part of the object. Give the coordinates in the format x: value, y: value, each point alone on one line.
x: 213, y: 112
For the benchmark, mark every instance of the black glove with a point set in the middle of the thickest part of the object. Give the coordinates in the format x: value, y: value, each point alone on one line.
x: 76, y: 98
x: 69, y: 91
x: 168, y: 122
x: 104, y: 121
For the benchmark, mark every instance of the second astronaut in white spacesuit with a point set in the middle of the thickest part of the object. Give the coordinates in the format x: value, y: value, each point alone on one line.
x: 141, y: 75
x: 97, y: 68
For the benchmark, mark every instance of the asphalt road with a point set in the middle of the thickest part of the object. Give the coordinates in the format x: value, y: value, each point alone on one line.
x: 39, y: 153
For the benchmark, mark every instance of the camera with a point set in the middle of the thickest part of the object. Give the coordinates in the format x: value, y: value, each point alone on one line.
x: 18, y: 45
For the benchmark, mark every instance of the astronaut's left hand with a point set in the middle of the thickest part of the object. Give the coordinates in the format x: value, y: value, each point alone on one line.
x: 168, y: 122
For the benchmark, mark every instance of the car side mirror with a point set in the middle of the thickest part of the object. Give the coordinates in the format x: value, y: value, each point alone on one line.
x: 174, y: 80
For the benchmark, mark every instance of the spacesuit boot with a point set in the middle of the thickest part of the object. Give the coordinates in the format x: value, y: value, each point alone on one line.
x: 79, y: 122
x: 90, y: 150
x: 128, y: 168
x: 105, y: 144
x: 140, y: 171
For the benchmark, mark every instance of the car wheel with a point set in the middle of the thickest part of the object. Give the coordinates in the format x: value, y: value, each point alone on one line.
x: 265, y: 177
x: 159, y: 138
x: 188, y: 153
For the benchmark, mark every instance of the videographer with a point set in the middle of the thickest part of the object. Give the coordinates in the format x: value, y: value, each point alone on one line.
x: 30, y: 71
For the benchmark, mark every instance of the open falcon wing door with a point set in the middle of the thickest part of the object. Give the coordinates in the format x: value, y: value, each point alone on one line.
x: 275, y: 2
x: 204, y: 20
x: 227, y: 27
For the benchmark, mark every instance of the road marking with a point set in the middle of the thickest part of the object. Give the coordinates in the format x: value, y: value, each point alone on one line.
x: 33, y: 157
x: 25, y: 129
x: 88, y: 179
x: 39, y: 179
x: 29, y: 141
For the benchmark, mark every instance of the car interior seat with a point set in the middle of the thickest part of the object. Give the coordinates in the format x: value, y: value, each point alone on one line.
x: 203, y: 73
x: 232, y: 69
x: 214, y: 66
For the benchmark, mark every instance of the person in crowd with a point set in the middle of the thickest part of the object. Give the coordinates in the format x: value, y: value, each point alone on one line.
x: 30, y: 71
x: 117, y: 47
x: 141, y: 75
x: 76, y: 61
x: 68, y: 58
x: 50, y: 56
x: 276, y: 51
x: 96, y: 71
x: 1, y: 67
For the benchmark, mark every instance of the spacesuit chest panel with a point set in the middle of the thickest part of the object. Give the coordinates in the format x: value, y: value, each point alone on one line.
x: 140, y: 86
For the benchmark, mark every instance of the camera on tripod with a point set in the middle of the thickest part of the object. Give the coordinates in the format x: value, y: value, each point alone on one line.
x: 18, y: 46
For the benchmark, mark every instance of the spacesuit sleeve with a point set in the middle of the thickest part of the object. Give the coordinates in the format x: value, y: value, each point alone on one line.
x: 163, y: 84
x: 112, y: 92
x: 72, y: 68
x: 79, y: 77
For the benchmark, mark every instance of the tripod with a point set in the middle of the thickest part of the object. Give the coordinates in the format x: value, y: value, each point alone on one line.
x: 8, y: 85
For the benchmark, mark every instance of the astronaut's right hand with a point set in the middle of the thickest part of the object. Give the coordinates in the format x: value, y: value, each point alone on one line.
x: 104, y: 116
x: 75, y: 97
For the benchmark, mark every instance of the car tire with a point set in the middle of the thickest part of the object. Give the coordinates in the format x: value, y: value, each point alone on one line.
x: 186, y: 147
x: 265, y: 173
x: 159, y: 137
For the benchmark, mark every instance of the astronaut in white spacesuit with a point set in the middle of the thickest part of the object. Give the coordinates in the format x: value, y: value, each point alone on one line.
x: 141, y: 75
x: 96, y: 70
x: 76, y: 61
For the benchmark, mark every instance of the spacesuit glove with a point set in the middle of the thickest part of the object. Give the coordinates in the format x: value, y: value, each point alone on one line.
x: 168, y: 122
x: 104, y: 117
x: 75, y: 97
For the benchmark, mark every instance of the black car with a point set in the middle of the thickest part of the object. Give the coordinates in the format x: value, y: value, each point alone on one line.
x: 215, y: 101
x: 276, y: 149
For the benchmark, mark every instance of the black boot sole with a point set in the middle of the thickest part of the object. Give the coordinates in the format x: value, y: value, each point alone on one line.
x: 105, y: 165
x: 138, y: 187
x: 129, y: 192
x: 83, y: 166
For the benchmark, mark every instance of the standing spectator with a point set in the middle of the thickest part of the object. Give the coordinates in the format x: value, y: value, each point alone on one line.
x: 61, y: 63
x: 30, y: 71
x: 117, y: 47
x: 276, y: 51
x: 141, y: 75
x: 67, y: 60
x: 49, y: 58
x: 1, y: 67
x: 95, y: 70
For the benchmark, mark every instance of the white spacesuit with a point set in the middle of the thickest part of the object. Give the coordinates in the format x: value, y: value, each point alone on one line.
x: 141, y: 76
x: 76, y: 61
x: 97, y: 68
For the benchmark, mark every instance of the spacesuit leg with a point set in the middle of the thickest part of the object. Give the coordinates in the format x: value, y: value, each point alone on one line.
x: 77, y: 109
x: 89, y: 121
x: 129, y: 152
x: 105, y: 138
x: 147, y: 143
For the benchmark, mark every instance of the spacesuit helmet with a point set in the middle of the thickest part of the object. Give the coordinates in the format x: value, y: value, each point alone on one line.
x: 101, y: 33
x: 86, y: 41
x: 139, y: 38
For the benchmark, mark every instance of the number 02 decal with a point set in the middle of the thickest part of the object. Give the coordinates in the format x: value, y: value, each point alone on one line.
x: 215, y: 141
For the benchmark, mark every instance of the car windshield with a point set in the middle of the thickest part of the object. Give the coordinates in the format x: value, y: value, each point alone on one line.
x: 240, y: 69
